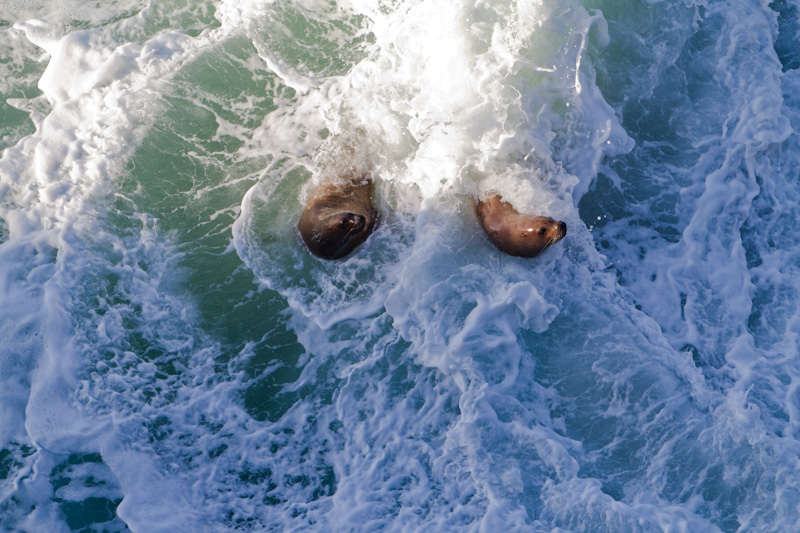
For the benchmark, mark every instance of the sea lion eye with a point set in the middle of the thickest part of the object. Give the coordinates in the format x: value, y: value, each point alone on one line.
x: 542, y: 231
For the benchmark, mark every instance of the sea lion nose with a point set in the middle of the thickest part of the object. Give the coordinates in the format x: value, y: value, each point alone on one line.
x: 562, y: 227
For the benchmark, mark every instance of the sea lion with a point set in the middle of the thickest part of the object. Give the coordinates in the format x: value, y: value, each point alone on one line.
x: 516, y: 234
x: 338, y: 217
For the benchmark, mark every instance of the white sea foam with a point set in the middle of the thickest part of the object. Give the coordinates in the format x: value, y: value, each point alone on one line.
x: 442, y: 106
x: 57, y: 180
x: 455, y: 301
x: 427, y: 382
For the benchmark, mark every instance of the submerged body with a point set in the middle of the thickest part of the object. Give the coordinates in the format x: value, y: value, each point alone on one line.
x: 514, y: 233
x: 339, y: 217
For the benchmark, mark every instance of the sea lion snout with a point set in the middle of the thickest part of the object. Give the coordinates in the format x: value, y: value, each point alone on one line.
x: 560, y: 230
x: 350, y: 222
x: 547, y: 228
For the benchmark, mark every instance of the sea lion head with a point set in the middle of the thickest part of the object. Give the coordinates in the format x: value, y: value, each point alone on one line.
x: 337, y: 234
x: 531, y: 235
x: 515, y: 233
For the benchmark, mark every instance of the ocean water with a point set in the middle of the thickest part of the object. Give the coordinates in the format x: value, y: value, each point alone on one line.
x: 173, y: 359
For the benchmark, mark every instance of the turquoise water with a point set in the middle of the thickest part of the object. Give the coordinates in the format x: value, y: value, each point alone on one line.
x: 173, y: 359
